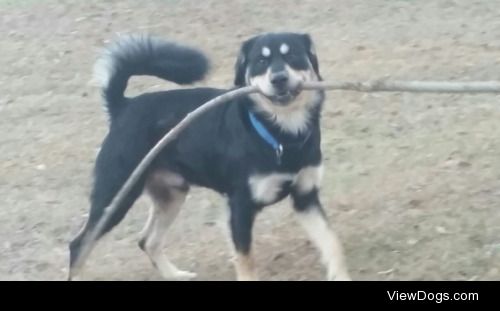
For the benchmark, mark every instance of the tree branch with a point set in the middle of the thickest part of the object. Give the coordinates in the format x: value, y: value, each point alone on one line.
x: 381, y: 85
x: 384, y: 85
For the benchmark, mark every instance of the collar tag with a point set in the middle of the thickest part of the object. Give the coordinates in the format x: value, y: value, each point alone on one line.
x: 279, y: 153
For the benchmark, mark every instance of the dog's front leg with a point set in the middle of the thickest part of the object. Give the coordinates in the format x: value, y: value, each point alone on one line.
x: 311, y: 216
x: 242, y: 216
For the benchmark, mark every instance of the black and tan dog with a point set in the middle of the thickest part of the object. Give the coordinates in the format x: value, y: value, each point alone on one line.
x: 255, y: 151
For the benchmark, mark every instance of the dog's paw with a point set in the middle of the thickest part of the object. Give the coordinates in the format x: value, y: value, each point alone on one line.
x: 341, y: 278
x: 247, y: 278
x: 344, y: 276
x: 179, y: 275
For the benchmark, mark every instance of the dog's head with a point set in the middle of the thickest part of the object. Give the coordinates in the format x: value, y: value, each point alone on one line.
x: 277, y: 63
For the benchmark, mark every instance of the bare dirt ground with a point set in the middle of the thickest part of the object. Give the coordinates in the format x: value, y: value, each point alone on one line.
x: 412, y: 181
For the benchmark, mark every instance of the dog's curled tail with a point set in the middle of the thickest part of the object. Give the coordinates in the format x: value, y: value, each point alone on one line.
x: 132, y: 55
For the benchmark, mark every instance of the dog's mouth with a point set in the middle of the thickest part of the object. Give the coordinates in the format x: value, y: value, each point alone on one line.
x: 284, y: 97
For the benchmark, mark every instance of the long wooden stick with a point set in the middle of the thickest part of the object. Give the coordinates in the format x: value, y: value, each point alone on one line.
x: 381, y: 85
x: 384, y: 85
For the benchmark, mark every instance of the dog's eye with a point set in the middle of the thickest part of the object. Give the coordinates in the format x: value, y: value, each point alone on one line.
x: 262, y: 61
x: 294, y: 58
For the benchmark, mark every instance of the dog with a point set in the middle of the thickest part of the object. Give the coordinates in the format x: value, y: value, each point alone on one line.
x: 255, y: 150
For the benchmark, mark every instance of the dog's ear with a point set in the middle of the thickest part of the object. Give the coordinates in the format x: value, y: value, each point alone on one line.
x: 311, y: 53
x: 242, y: 62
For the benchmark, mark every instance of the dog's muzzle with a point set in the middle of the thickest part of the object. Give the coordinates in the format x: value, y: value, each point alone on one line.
x: 283, y: 92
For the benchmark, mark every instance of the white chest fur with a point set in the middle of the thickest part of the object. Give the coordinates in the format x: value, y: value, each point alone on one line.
x: 265, y: 188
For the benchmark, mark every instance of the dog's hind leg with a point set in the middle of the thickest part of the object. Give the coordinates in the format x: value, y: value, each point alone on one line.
x: 168, y: 192
x: 110, y: 175
x: 77, y: 258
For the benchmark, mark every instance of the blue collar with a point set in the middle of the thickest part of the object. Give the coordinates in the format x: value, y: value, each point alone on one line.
x: 268, y: 137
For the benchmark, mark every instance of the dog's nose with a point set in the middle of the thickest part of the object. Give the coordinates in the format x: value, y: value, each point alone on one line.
x: 279, y: 79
